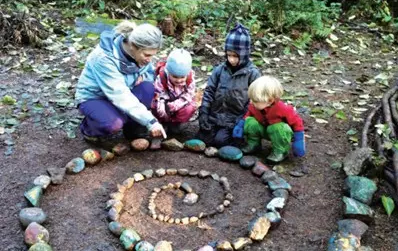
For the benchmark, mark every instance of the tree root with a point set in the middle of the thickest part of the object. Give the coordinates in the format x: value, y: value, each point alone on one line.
x: 368, y: 121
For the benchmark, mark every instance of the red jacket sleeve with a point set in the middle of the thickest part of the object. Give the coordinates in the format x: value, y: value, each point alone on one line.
x: 291, y: 117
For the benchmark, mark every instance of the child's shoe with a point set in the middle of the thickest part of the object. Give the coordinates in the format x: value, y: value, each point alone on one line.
x: 276, y: 157
x: 248, y: 149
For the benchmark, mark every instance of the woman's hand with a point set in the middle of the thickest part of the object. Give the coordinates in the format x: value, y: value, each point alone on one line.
x: 157, y: 131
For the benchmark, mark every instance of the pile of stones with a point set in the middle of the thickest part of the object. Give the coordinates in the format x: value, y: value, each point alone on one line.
x: 359, y: 191
x: 37, y: 237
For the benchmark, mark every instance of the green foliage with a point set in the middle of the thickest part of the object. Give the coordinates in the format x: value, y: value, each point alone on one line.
x: 308, y: 15
x: 388, y: 204
x: 8, y: 100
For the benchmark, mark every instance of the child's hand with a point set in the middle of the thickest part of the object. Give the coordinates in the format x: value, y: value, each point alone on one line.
x: 298, y: 144
x: 162, y: 108
x: 238, y: 129
x: 171, y: 106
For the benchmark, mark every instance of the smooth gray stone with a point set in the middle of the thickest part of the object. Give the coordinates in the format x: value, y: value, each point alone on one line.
x: 32, y: 214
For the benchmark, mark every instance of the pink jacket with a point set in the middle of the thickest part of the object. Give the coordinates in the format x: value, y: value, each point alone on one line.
x: 176, y: 97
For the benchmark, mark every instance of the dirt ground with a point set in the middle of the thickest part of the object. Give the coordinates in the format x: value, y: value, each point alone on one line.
x: 76, y: 209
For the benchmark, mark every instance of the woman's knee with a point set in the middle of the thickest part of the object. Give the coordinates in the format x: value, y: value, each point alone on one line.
x: 112, y: 126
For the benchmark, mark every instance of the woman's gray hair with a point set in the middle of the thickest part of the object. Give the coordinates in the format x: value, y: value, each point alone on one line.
x: 145, y: 36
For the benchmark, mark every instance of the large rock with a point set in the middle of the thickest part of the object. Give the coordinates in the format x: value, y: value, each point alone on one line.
x: 116, y: 228
x: 356, y: 160
x: 258, y: 228
x: 91, y: 156
x: 129, y: 238
x: 195, y: 145
x: 190, y: 199
x: 352, y: 226
x: 259, y: 168
x: 247, y: 162
x: 35, y: 233
x: 268, y: 176
x: 343, y: 242
x: 56, y: 174
x: 279, y: 183
x: 357, y: 210
x: 40, y: 246
x: 172, y: 145
x: 360, y: 188
x: 163, y: 246
x: 76, y: 165
x: 140, y: 144
x: 230, y: 153
x: 32, y: 214
x: 33, y: 195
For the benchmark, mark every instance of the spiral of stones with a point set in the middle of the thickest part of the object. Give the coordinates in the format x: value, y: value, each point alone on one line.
x: 32, y: 217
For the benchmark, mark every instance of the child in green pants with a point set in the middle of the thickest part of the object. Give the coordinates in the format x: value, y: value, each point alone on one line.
x: 270, y: 118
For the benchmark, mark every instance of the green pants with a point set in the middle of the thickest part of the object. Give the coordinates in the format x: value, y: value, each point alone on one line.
x: 280, y: 134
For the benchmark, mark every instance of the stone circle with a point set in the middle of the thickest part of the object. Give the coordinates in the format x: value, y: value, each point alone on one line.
x: 257, y: 229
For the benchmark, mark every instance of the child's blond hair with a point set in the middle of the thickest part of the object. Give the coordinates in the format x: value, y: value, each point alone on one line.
x: 265, y: 89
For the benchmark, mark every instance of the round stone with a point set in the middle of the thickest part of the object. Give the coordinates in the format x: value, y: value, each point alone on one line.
x: 116, y: 228
x: 211, y: 152
x: 140, y: 144
x: 43, y: 181
x: 195, y: 145
x: 76, y: 165
x: 129, y: 239
x: 144, y: 246
x: 191, y: 198
x: 160, y: 172
x: 32, y: 214
x: 35, y: 233
x: 220, y: 208
x: 230, y: 153
x: 40, y: 246
x: 247, y: 162
x: 91, y: 156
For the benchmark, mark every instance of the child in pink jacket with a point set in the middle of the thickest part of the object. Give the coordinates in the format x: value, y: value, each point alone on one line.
x: 174, y: 102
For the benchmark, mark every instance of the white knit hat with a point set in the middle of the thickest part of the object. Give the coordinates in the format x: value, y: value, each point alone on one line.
x: 179, y: 63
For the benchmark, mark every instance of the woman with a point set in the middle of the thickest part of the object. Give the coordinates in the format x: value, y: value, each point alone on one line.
x: 115, y: 89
